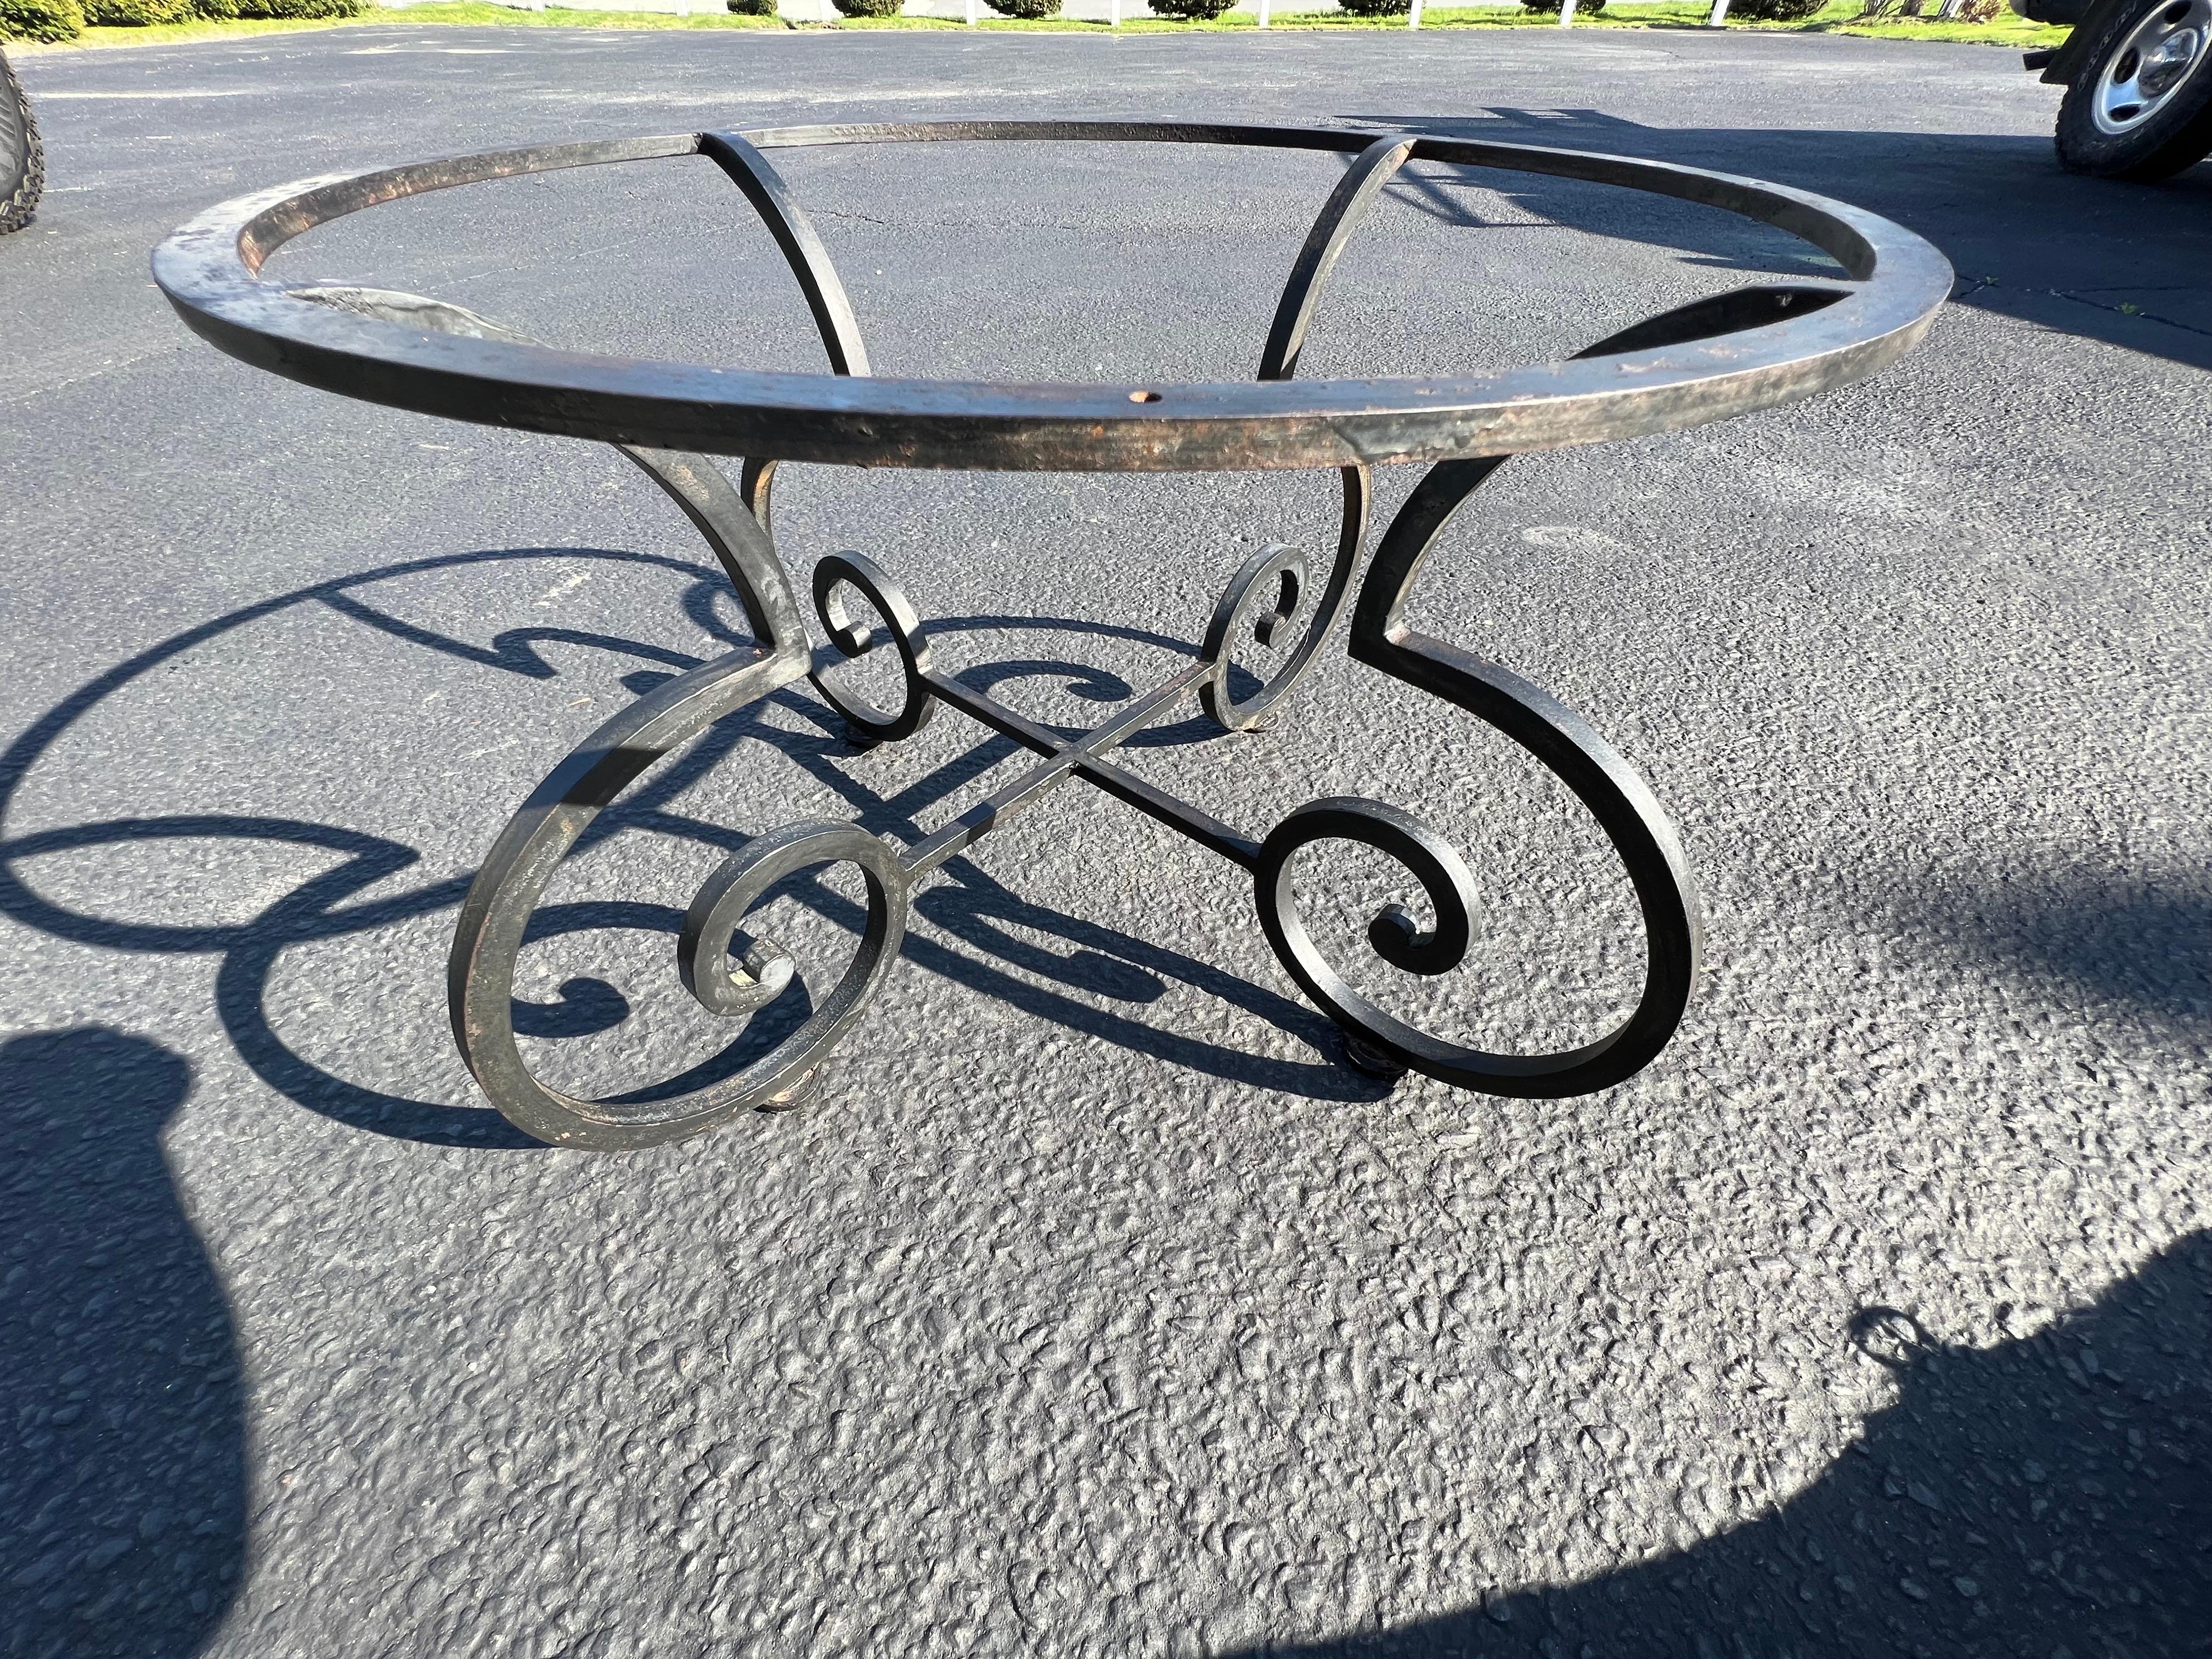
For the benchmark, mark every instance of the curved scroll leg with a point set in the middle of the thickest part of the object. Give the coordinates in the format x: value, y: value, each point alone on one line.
x: 495, y: 916
x: 1562, y: 740
x: 738, y: 533
x: 1621, y: 802
x: 488, y: 940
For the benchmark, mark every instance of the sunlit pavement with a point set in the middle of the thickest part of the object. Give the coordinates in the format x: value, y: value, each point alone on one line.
x: 1095, y: 1307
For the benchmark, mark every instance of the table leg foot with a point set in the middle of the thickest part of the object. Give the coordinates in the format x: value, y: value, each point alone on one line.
x: 1367, y: 1060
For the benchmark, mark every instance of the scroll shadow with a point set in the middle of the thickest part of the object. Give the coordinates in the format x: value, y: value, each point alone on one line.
x: 353, y: 896
x: 249, y: 952
x: 1103, y: 963
x: 979, y: 911
x: 123, y: 1493
x: 2052, y: 1494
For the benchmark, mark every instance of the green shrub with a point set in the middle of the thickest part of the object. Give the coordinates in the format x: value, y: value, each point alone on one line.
x: 136, y: 14
x: 1200, y: 10
x: 1029, y: 9
x: 1774, y: 11
x: 1379, y: 7
x: 293, y: 9
x: 64, y: 19
x: 40, y: 19
x: 753, y: 8
x: 1590, y: 8
x: 876, y: 8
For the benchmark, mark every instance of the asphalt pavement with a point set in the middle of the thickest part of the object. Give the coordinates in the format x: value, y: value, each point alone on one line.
x: 1094, y: 1306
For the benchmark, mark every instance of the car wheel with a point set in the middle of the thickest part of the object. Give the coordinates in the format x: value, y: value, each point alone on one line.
x: 2142, y: 105
x: 22, y: 159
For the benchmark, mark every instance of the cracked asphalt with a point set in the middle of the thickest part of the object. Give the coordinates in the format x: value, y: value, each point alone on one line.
x: 1095, y: 1307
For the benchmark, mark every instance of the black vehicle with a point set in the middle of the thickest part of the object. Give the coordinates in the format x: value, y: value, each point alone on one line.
x: 22, y: 162
x: 2138, y: 96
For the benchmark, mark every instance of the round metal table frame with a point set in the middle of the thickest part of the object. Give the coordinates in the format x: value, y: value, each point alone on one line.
x: 1772, y: 343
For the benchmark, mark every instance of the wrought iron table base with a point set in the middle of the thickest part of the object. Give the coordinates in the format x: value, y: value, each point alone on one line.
x: 1757, y: 346
x: 1272, y: 599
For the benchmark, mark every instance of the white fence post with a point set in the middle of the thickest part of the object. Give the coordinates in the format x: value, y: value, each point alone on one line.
x: 1263, y: 13
x: 1566, y: 13
x: 1115, y: 21
x: 1719, y: 19
x: 971, y: 13
x: 1413, y: 17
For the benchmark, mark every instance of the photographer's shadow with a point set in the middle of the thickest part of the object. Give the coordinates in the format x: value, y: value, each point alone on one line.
x: 122, y: 1496
x: 2049, y: 1495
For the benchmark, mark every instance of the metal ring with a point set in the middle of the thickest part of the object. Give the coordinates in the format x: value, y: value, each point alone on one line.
x: 1891, y: 285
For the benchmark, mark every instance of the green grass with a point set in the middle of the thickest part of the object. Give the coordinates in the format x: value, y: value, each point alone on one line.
x: 2005, y: 30
x: 1841, y: 18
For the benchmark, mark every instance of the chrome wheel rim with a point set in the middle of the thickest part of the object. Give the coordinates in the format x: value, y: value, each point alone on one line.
x: 2156, y: 60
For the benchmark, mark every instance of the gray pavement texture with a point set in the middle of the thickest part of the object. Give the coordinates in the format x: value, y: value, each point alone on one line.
x: 1095, y: 1309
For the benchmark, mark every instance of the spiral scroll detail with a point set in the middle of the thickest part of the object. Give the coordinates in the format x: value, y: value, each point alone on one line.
x: 741, y: 882
x: 832, y: 576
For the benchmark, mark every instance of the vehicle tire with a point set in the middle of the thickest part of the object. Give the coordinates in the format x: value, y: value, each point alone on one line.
x: 2142, y: 105
x: 22, y: 159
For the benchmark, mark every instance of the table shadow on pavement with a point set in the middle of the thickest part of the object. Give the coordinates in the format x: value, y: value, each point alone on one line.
x: 2051, y: 1496
x: 2141, y: 944
x: 2101, y: 259
x: 1078, y: 987
x: 123, y: 1492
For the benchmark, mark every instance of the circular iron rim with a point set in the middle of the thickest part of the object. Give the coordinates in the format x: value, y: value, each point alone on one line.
x: 210, y: 268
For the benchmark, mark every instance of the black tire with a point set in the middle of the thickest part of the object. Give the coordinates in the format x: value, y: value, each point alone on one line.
x: 22, y: 158
x: 2176, y: 134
